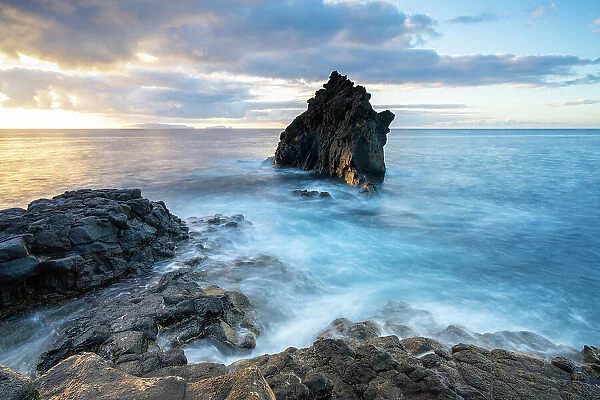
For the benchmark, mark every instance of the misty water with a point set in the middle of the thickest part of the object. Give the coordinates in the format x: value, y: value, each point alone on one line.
x: 491, y: 230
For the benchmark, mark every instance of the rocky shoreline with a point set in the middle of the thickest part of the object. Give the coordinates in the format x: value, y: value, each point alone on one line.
x: 129, y: 345
x: 81, y: 240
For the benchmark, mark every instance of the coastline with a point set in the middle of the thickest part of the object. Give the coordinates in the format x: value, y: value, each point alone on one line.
x: 383, y: 366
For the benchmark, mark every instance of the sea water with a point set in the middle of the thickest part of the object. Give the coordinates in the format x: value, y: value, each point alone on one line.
x: 491, y: 230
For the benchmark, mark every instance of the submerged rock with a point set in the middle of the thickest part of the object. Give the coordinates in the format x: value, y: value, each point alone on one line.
x: 143, y: 332
x: 339, y: 135
x: 80, y: 240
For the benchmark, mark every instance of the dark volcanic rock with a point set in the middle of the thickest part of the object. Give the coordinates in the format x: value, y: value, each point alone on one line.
x: 312, y: 194
x: 339, y: 135
x: 343, y: 328
x: 417, y: 368
x: 143, y: 332
x: 80, y: 240
x: 14, y: 386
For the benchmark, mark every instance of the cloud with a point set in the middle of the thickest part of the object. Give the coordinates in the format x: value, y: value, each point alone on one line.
x: 101, y: 34
x: 140, y: 92
x: 542, y: 11
x: 422, y: 106
x: 576, y: 103
x: 474, y: 19
x: 596, y: 24
x: 198, y: 59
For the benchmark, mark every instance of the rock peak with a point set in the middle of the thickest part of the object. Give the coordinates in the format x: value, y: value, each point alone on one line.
x: 339, y: 135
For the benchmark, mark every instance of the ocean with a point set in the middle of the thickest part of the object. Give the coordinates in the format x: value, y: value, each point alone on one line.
x: 489, y: 230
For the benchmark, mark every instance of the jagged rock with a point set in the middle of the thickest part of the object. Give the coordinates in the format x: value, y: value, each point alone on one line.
x: 417, y: 368
x: 80, y: 240
x: 86, y: 376
x: 339, y: 135
x: 143, y: 332
x: 245, y: 384
x: 14, y: 386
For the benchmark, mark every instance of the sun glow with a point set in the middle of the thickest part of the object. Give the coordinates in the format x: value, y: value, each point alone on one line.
x: 19, y: 118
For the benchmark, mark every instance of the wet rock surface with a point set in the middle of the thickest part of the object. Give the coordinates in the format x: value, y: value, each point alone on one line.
x: 311, y: 194
x: 418, y: 368
x: 143, y: 332
x: 80, y: 240
x: 339, y: 135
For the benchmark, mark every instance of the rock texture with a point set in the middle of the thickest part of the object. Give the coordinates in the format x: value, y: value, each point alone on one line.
x: 142, y: 333
x: 14, y: 386
x: 382, y: 368
x: 420, y: 368
x: 339, y: 135
x: 80, y: 240
x: 88, y: 377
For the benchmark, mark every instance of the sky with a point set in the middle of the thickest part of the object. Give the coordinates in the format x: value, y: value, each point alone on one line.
x: 255, y: 63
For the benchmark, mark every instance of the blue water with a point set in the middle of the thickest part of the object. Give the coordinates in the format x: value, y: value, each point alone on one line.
x: 488, y: 229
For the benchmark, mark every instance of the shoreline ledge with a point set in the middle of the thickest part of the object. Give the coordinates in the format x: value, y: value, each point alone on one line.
x: 339, y: 135
x: 80, y: 240
x: 381, y: 368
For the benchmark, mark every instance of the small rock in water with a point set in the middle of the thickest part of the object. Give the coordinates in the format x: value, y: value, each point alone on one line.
x: 313, y: 194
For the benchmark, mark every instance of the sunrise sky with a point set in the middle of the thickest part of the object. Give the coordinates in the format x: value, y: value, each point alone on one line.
x: 254, y: 63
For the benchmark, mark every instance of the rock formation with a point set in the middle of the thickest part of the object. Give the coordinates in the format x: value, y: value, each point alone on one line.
x: 339, y: 135
x: 80, y: 240
x: 378, y: 368
x: 152, y: 325
x: 420, y: 368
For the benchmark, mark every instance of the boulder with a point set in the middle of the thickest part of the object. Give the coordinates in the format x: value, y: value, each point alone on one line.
x: 143, y: 332
x: 339, y: 135
x: 86, y: 376
x: 80, y: 240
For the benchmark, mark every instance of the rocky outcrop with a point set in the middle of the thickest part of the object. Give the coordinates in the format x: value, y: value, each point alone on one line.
x: 142, y: 332
x: 78, y: 241
x: 87, y: 376
x: 420, y: 368
x: 14, y: 386
x: 380, y: 368
x: 339, y: 135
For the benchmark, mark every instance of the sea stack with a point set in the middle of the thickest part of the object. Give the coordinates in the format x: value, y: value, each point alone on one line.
x: 339, y: 135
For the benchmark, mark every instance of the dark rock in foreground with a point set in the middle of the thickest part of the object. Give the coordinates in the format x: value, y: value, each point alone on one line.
x: 339, y: 135
x: 80, y: 240
x: 88, y: 377
x: 143, y: 333
x: 419, y: 368
x: 381, y: 368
